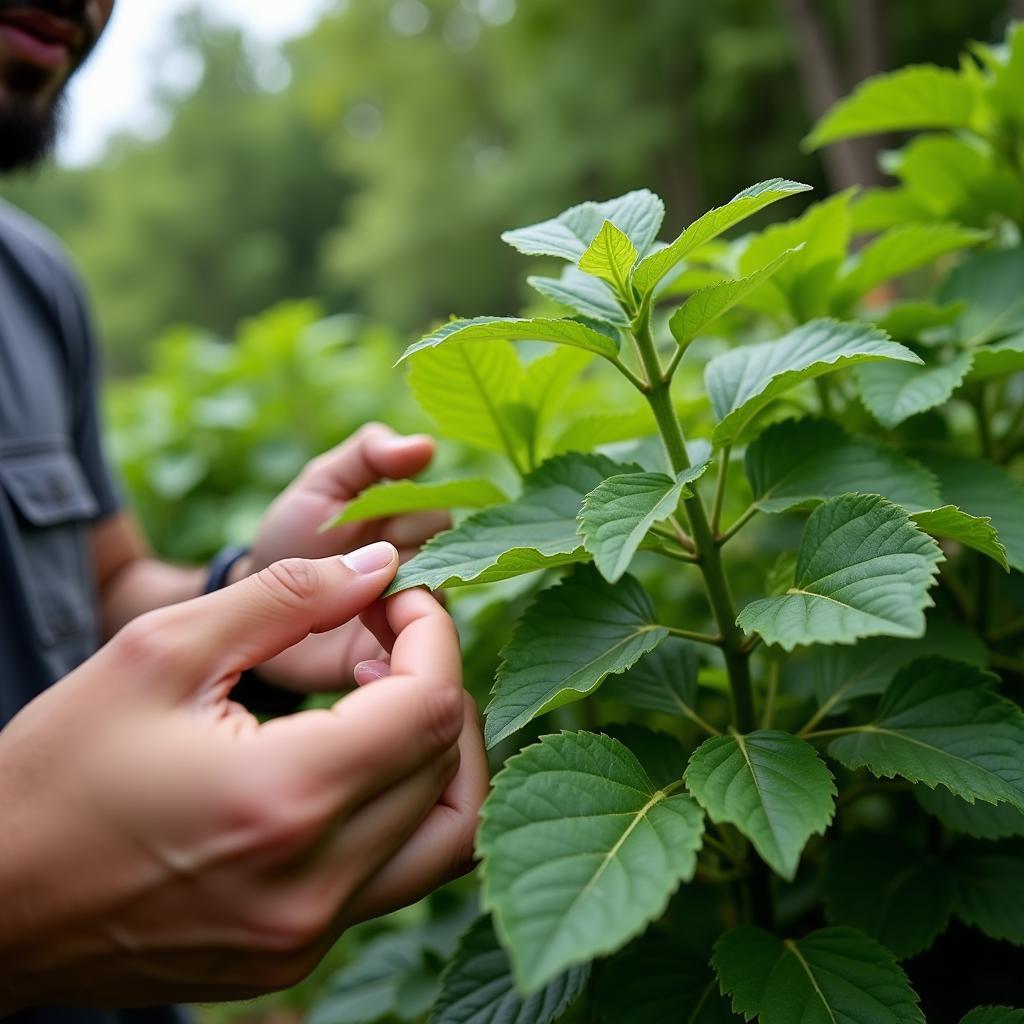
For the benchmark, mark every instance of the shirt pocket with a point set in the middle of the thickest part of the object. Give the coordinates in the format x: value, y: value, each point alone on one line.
x: 52, y: 506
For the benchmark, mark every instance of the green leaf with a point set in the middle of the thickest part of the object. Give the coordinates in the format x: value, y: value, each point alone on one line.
x: 610, y: 257
x: 983, y: 821
x: 940, y: 723
x: 742, y: 381
x: 619, y: 512
x: 897, y: 252
x: 638, y: 214
x: 988, y: 879
x: 909, y: 320
x: 707, y: 304
x: 772, y: 786
x: 399, y: 497
x: 582, y: 293
x: 832, y: 976
x: 465, y: 389
x: 797, y: 464
x: 918, y: 96
x: 651, y: 269
x: 580, y: 852
x: 989, y: 284
x: 590, y: 431
x: 999, y: 359
x: 842, y: 674
x: 660, y: 754
x: 497, y: 328
x: 863, y: 570
x: 664, y: 680
x: 979, y: 488
x: 975, y: 532
x: 653, y: 980
x: 535, y: 531
x: 573, y: 636
x: 994, y: 1015
x: 888, y: 890
x: 893, y: 392
x: 477, y: 986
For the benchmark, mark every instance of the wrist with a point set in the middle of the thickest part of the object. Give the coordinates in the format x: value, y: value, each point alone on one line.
x: 241, y: 568
x: 229, y: 565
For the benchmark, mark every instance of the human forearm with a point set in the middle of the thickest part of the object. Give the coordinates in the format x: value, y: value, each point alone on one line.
x: 143, y: 585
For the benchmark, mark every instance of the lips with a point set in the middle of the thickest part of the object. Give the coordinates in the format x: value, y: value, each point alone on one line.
x: 39, y: 38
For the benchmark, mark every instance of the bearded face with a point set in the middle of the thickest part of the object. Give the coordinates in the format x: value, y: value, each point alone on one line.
x: 42, y: 44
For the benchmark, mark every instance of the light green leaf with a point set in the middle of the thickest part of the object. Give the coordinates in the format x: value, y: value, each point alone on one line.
x: 572, y: 637
x: 893, y: 392
x: 619, y: 512
x: 897, y: 252
x: 999, y: 359
x: 983, y: 821
x: 742, y: 381
x: 477, y: 986
x: 497, y: 328
x: 832, y: 976
x: 399, y: 497
x: 988, y: 880
x: 465, y: 390
x: 989, y: 283
x: 655, y: 981
x: 940, y: 723
x: 772, y: 786
x: 994, y: 1015
x: 582, y: 293
x: 610, y: 257
x: 915, y: 97
x: 547, y: 383
x: 863, y: 570
x: 706, y: 305
x: 591, y: 431
x: 536, y: 530
x: 907, y: 321
x: 981, y: 489
x: 890, y: 891
x: 797, y: 464
x: 664, y: 680
x: 651, y: 269
x: 975, y: 532
x: 580, y: 852
x: 638, y: 214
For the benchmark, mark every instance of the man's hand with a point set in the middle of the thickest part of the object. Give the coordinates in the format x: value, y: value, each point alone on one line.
x: 159, y: 844
x: 291, y: 529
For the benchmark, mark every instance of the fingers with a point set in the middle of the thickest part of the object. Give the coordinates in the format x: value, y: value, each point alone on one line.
x: 441, y: 848
x: 373, y: 453
x: 370, y: 671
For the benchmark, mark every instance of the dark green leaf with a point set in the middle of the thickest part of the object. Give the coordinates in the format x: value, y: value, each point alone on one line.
x: 988, y: 880
x: 989, y: 284
x: 664, y: 680
x: 983, y: 821
x: 977, y: 532
x: 994, y: 1015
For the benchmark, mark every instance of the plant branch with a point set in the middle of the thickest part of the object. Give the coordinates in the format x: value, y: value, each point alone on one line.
x: 768, y: 711
x: 823, y: 734
x: 720, y: 484
x: 1007, y: 631
x: 689, y: 634
x: 678, y: 556
x: 638, y: 382
x: 738, y: 524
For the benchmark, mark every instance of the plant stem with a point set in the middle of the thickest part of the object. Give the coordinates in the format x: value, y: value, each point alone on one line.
x: 768, y: 711
x: 700, y: 638
x: 723, y: 475
x: 738, y: 525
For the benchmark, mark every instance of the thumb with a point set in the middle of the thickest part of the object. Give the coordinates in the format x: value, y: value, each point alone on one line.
x: 259, y: 617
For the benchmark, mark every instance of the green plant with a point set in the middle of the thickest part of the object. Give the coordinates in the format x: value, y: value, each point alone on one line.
x: 772, y: 648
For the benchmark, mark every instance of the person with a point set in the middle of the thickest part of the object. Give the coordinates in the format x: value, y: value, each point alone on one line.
x: 160, y: 843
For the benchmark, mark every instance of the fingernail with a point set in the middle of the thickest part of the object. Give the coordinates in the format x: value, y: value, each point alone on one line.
x: 370, y: 671
x: 409, y: 441
x: 371, y: 558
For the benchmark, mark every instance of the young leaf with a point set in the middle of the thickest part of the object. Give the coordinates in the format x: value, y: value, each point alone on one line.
x: 664, y: 680
x: 535, y: 531
x: 890, y: 891
x: 707, y: 304
x: 638, y: 214
x: 618, y: 513
x: 654, y: 980
x: 651, y: 269
x: 573, y: 636
x: 918, y: 96
x: 979, y: 488
x: 398, y: 497
x: 605, y: 428
x: 863, y: 570
x: 982, y: 821
x: 772, y: 786
x: 893, y: 392
x: 975, y: 532
x: 897, y: 252
x: 580, y: 852
x: 465, y: 390
x: 582, y: 293
x: 610, y: 257
x: 988, y: 283
x: 830, y: 976
x: 742, y: 381
x: 497, y: 328
x: 797, y: 464
x: 477, y: 986
x: 988, y: 880
x: 994, y: 1015
x: 940, y: 723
